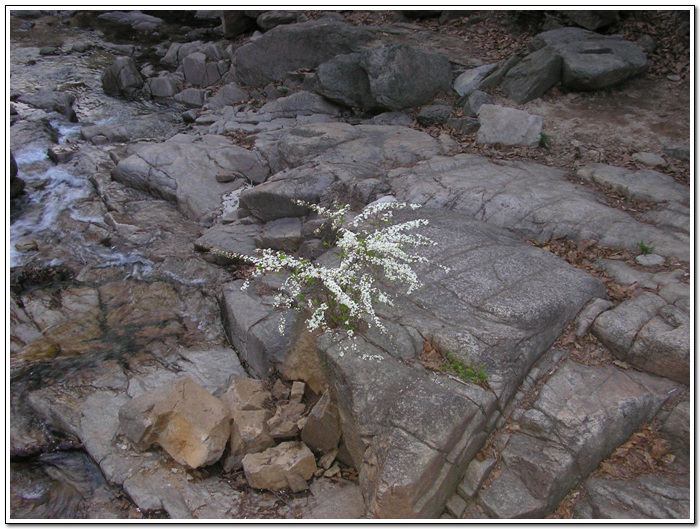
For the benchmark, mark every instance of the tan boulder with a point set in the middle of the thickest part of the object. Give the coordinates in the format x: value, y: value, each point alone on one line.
x: 183, y: 418
x: 249, y: 434
x: 286, y: 466
x: 321, y: 431
x: 245, y: 394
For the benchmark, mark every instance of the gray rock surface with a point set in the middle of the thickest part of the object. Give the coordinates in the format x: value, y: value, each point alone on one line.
x: 470, y: 80
x: 122, y: 78
x: 136, y: 19
x: 290, y: 47
x: 508, y: 126
x: 533, y: 76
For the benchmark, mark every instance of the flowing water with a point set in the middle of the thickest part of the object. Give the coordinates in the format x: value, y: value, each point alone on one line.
x: 50, y: 476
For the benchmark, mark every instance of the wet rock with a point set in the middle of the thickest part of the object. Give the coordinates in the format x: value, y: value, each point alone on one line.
x: 176, y: 170
x: 533, y: 76
x: 16, y: 183
x: 51, y: 100
x: 508, y: 126
x: 183, y: 418
x: 62, y: 153
x: 286, y: 466
x: 291, y: 47
x: 322, y: 432
x: 122, y: 78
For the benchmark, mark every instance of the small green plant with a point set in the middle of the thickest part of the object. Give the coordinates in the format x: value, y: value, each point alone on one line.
x: 646, y: 248
x: 544, y: 141
x: 466, y: 372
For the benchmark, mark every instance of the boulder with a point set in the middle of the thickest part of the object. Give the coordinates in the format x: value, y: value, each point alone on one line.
x: 189, y: 423
x: 51, y: 100
x: 192, y: 97
x: 508, y: 126
x: 122, y: 78
x: 592, y: 19
x: 282, y: 234
x: 183, y: 170
x: 470, y: 80
x: 343, y: 80
x: 245, y: 394
x: 249, y: 435
x: 597, y: 64
x: 291, y: 47
x: 286, y: 466
x: 164, y: 86
x: 236, y: 23
x: 271, y: 19
x: 135, y: 19
x: 533, y: 76
x: 402, y: 76
x: 474, y: 102
x: 321, y: 431
x: 228, y: 94
x: 201, y: 72
x: 433, y: 115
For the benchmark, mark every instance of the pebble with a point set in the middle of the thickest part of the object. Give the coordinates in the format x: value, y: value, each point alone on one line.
x: 652, y: 259
x: 673, y: 77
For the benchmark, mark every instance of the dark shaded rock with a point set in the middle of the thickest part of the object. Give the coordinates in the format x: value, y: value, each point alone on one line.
x: 592, y: 19
x: 122, y: 78
x: 465, y: 125
x: 433, y: 115
x: 343, y: 80
x: 271, y: 19
x: 404, y: 77
x: 474, y: 102
x: 16, y: 183
x: 164, y: 86
x: 592, y: 65
x: 558, y: 38
x: 236, y: 23
x: 533, y: 76
x: 291, y: 47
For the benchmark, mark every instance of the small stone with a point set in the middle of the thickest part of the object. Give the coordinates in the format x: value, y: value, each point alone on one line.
x: 280, y: 467
x: 226, y: 176
x: 245, y: 394
x: 284, y: 423
x: 280, y: 391
x: 326, y: 460
x: 649, y: 158
x: 27, y: 245
x: 297, y: 392
x: 650, y: 260
x: 333, y: 471
x: 673, y: 77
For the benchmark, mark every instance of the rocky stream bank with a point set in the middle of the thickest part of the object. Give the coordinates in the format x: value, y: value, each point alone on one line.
x: 551, y: 157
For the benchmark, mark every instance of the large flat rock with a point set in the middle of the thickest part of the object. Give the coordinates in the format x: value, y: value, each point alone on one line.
x: 532, y: 200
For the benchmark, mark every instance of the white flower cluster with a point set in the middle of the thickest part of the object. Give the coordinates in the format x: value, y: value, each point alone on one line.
x: 340, y: 297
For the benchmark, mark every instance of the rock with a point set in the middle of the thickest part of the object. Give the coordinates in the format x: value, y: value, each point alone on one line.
x: 49, y: 50
x: 474, y: 477
x: 193, y: 97
x: 559, y: 38
x: 336, y: 501
x: 280, y: 391
x: 245, y: 394
x: 677, y: 425
x: 344, y: 80
x: 470, y: 80
x: 183, y: 418
x: 286, y: 466
x: 581, y: 415
x: 16, y: 183
x: 645, y: 184
x: 588, y: 315
x: 650, y: 159
x: 176, y: 169
x: 404, y: 77
x: 456, y: 506
x: 648, y: 333
x: 433, y: 115
x: 650, y: 260
x: 322, y: 432
x: 297, y: 392
x: 164, y: 86
x: 678, y: 151
x: 249, y: 435
x: 228, y: 94
x: 201, y: 72
x: 474, y: 102
x: 122, y: 78
x: 508, y: 126
x: 592, y: 19
x: 465, y: 125
x: 136, y: 19
x: 646, y: 43
x: 392, y: 118
x: 299, y: 104
x: 157, y: 126
x: 236, y: 23
x: 62, y: 153
x: 291, y: 47
x: 51, y: 100
x: 597, y: 64
x: 284, y: 423
x: 271, y: 19
x: 641, y: 498
x: 533, y: 76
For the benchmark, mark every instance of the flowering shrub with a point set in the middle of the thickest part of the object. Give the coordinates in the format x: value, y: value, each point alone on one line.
x: 371, y: 249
